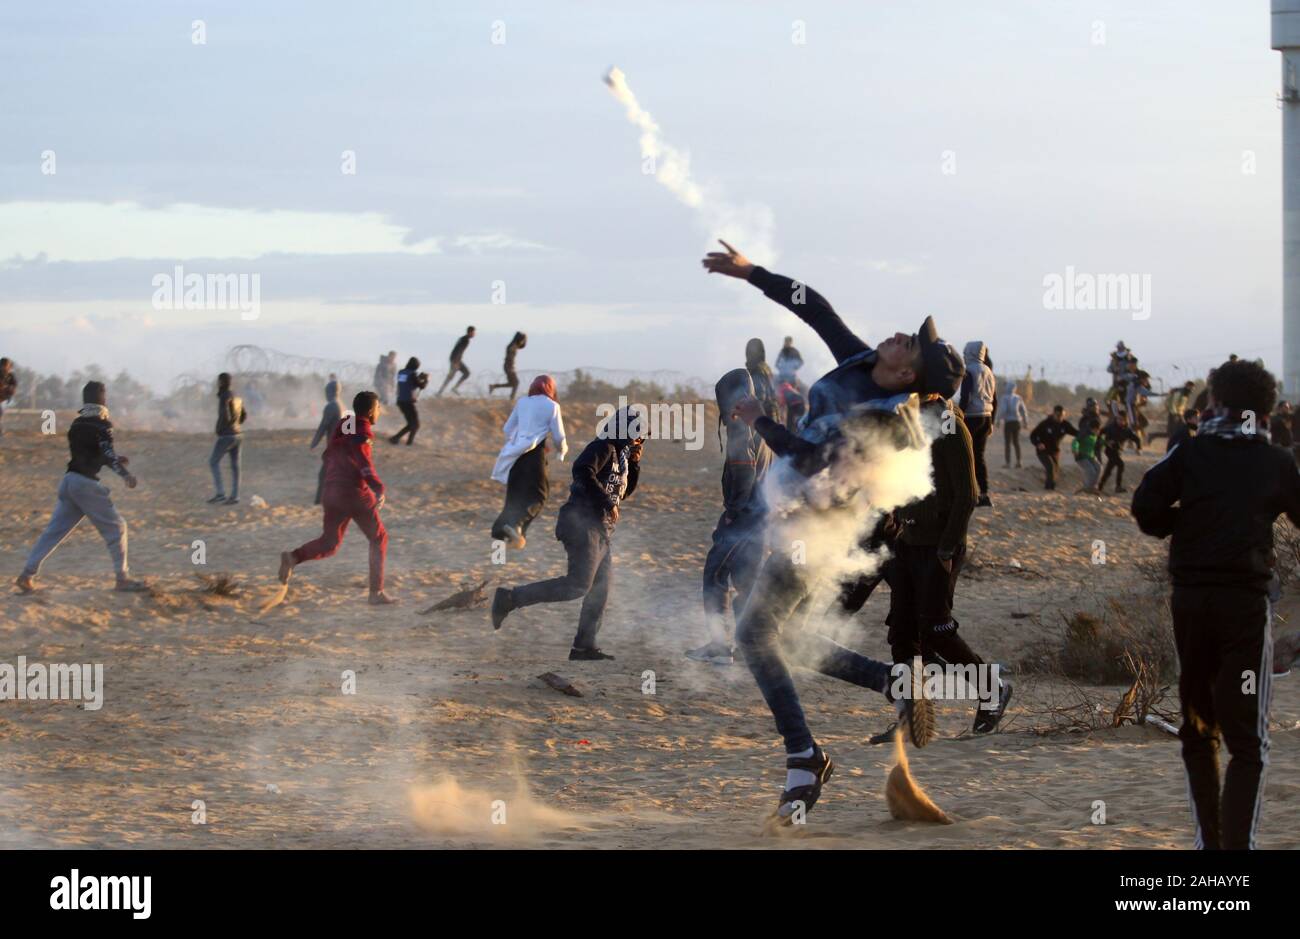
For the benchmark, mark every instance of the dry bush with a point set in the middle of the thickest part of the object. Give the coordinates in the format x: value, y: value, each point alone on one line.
x: 221, y: 585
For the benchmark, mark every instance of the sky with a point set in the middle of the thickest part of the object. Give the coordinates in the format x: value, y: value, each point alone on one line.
x: 904, y: 159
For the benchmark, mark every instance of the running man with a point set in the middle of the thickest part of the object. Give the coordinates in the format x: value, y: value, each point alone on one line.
x: 512, y: 377
x: 353, y: 493
x: 603, y: 476
x: 457, y: 363
x: 410, y: 382
x: 1046, y: 438
x: 82, y: 495
x: 1114, y: 436
x: 902, y: 363
x: 1216, y: 496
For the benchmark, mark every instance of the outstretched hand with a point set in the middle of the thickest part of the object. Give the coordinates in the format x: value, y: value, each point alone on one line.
x: 731, y: 262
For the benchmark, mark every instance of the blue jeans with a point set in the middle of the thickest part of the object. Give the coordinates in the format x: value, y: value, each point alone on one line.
x: 232, y: 444
x: 780, y: 590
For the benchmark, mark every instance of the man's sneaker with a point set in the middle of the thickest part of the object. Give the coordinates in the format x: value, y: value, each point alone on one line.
x: 126, y: 585
x: 589, y: 655
x: 987, y: 719
x: 219, y: 497
x: 25, y: 584
x: 984, y: 502
x: 715, y: 653
x: 503, y: 601
x: 233, y: 500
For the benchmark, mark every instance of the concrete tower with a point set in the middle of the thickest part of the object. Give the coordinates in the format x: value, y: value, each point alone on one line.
x: 1286, y: 39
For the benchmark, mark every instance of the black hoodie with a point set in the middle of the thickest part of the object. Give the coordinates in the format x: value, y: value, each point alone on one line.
x: 604, y: 474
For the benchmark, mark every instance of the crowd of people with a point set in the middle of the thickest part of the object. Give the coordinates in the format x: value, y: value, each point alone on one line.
x: 1216, y: 494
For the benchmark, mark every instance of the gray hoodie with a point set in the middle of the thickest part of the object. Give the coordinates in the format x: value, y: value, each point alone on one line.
x: 978, y: 388
x: 1011, y: 407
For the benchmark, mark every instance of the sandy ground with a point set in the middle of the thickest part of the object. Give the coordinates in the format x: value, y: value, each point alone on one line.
x: 206, y: 700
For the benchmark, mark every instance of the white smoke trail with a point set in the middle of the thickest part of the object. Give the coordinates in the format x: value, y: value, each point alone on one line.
x: 750, y: 227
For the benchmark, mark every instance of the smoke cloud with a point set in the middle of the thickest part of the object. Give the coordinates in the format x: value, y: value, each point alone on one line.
x: 750, y: 227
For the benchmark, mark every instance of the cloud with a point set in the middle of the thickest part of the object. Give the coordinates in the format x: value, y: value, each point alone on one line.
x: 109, y: 231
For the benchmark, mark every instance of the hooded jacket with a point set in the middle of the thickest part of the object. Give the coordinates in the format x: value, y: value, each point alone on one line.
x: 747, y: 457
x: 1011, y: 406
x: 979, y: 387
x: 349, y: 468
x: 90, y: 443
x: 230, y: 414
x: 604, y: 475
x: 330, y: 415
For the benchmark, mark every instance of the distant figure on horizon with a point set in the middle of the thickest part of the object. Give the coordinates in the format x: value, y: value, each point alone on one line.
x: 82, y: 495
x: 329, y: 416
x: 521, y: 464
x: 410, y: 381
x: 386, y: 377
x: 230, y: 440
x: 512, y: 377
x: 353, y: 493
x: 788, y: 362
x: 457, y: 363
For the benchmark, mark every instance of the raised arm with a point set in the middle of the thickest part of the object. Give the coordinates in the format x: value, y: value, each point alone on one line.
x: 798, y: 298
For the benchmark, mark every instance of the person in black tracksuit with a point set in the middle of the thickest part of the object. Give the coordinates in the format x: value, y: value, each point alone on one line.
x: 603, y: 476
x: 1216, y: 496
x: 928, y: 555
x: 1115, y: 435
x: 410, y: 381
x: 1046, y: 438
x: 738, y: 539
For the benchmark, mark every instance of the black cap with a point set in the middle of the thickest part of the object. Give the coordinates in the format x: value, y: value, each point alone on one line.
x: 942, y: 366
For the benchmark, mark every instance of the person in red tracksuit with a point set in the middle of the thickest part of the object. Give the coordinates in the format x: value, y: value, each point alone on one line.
x: 353, y: 492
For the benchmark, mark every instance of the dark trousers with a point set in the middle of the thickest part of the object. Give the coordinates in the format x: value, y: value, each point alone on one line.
x: 511, y: 382
x: 1011, y: 438
x: 451, y: 372
x: 588, y: 577
x: 778, y: 591
x: 1173, y: 425
x: 412, y: 424
x: 1051, y: 466
x: 1114, y: 461
x: 526, y: 490
x: 920, y: 606
x: 980, y: 428
x: 732, y: 561
x: 1223, y: 640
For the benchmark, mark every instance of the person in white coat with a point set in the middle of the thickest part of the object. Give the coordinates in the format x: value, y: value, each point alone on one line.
x: 521, y: 465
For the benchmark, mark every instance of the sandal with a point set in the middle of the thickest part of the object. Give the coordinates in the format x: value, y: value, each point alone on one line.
x: 820, y: 765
